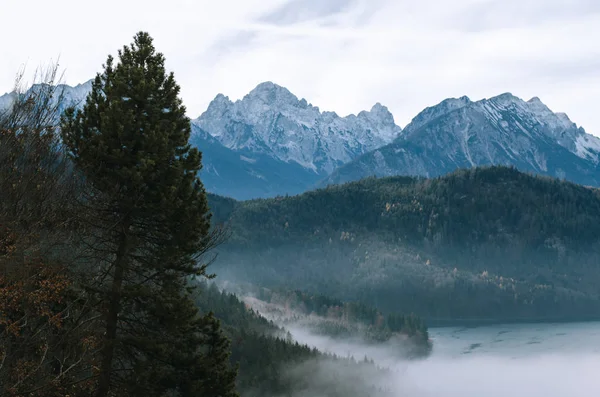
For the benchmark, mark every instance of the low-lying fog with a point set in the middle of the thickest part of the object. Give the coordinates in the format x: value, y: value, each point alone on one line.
x: 529, y: 360
x: 540, y: 360
x: 517, y: 360
x: 533, y: 360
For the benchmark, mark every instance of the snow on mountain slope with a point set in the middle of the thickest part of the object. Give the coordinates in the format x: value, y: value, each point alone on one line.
x: 271, y: 143
x: 588, y: 146
x: 71, y: 96
x: 460, y: 133
x: 271, y: 120
x: 245, y: 175
x: 242, y: 173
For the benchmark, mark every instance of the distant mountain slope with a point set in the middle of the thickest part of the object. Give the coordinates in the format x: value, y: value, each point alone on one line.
x: 271, y: 120
x: 71, y: 96
x: 244, y: 174
x: 240, y: 174
x: 270, y: 143
x: 504, y: 130
x: 485, y: 244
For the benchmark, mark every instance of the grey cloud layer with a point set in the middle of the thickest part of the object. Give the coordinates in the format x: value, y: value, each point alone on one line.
x: 295, y: 11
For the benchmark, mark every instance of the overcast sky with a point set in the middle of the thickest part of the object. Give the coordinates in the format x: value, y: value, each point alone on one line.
x: 341, y: 55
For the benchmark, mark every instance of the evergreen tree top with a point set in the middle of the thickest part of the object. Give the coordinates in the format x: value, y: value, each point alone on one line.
x: 131, y: 141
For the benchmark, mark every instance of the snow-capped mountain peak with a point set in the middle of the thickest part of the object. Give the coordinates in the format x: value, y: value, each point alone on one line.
x: 535, y: 119
x: 273, y: 121
x: 504, y: 130
x: 535, y: 100
x: 271, y: 94
x: 434, y: 112
x: 506, y: 112
x: 377, y: 112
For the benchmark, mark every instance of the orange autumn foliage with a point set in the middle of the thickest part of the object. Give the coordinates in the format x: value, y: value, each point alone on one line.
x: 42, y: 351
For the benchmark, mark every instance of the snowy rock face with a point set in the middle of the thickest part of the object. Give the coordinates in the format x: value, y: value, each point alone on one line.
x: 244, y: 174
x: 504, y: 130
x: 70, y: 96
x: 270, y: 120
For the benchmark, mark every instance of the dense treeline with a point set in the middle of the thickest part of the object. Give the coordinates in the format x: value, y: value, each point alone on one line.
x: 271, y: 363
x: 234, y: 313
x: 102, y: 223
x: 48, y: 332
x: 486, y: 243
x: 348, y: 319
x: 468, y: 207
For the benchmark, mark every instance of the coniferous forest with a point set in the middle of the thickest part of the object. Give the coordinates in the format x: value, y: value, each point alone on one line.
x: 109, y: 245
x: 488, y: 244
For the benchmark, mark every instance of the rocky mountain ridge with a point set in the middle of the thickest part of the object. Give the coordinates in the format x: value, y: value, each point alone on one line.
x: 271, y: 120
x: 503, y: 130
x: 271, y: 143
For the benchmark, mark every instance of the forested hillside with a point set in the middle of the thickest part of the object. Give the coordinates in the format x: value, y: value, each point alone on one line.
x: 271, y: 363
x: 487, y: 244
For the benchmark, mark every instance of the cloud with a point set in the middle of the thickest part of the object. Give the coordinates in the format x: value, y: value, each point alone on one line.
x: 342, y: 55
x: 295, y: 11
x: 492, y: 15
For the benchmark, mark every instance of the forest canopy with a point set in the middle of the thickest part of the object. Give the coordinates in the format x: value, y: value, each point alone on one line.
x: 487, y: 243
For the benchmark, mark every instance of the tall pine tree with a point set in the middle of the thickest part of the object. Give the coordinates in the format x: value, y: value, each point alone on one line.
x: 149, y: 223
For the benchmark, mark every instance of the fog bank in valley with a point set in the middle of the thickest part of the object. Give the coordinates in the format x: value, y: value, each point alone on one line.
x: 529, y: 360
x: 567, y: 367
x: 552, y: 375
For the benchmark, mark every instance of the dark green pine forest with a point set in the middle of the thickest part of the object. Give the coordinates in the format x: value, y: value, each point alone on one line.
x: 103, y: 221
x: 346, y: 319
x: 481, y: 245
x: 270, y: 362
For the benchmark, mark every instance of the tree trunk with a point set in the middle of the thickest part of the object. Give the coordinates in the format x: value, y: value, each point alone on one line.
x: 112, y: 317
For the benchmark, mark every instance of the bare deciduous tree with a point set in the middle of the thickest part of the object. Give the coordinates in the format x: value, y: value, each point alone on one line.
x: 47, y: 340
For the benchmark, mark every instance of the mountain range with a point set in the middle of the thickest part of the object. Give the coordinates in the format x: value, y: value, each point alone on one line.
x: 272, y: 143
x: 279, y: 144
x: 503, y: 130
